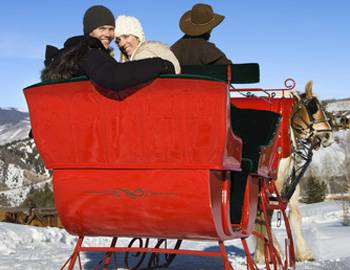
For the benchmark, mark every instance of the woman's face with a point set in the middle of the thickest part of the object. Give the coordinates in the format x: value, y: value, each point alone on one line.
x: 127, y: 44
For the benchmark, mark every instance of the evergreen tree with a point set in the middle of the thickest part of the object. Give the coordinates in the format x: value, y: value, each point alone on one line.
x: 315, y: 190
x: 39, y: 198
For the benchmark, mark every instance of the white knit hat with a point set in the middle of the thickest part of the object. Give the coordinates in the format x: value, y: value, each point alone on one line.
x: 128, y: 25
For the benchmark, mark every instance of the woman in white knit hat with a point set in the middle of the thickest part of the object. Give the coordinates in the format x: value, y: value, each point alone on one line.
x: 130, y: 39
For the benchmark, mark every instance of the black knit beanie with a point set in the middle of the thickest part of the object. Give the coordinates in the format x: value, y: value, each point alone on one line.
x: 97, y: 16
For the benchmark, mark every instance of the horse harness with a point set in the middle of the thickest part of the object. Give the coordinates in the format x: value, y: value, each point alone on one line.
x: 302, y: 152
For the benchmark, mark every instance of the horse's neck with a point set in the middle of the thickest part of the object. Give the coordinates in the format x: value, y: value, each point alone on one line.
x: 290, y: 167
x: 297, y: 147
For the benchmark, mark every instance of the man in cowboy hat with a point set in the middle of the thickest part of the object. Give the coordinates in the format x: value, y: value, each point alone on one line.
x: 194, y: 48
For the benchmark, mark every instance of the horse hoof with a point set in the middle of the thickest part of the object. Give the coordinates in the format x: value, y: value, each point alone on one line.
x: 307, y: 258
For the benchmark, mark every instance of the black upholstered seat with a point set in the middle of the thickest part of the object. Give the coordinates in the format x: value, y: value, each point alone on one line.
x: 256, y: 128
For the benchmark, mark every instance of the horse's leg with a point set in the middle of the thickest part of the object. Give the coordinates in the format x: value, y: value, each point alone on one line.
x: 284, y: 169
x: 303, y: 252
x: 260, y: 228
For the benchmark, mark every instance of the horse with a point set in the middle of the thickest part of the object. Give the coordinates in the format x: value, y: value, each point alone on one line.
x: 310, y: 128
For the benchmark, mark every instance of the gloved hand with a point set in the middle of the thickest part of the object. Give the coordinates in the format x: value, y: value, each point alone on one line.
x: 168, y: 67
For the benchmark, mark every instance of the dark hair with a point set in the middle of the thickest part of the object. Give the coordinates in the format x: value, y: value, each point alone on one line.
x: 64, y: 66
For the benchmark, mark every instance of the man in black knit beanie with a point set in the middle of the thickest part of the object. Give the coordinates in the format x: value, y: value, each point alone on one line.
x: 99, y: 23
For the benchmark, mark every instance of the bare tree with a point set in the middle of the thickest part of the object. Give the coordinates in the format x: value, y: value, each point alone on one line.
x: 346, y: 168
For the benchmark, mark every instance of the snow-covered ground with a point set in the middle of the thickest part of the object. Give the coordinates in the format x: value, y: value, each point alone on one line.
x: 32, y: 248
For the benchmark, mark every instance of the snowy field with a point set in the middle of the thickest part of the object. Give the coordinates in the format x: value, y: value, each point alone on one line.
x: 31, y: 248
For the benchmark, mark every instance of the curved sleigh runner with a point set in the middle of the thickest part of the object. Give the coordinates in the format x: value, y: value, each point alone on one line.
x: 139, y: 165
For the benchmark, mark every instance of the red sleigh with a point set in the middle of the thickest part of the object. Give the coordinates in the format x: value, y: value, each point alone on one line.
x: 166, y: 162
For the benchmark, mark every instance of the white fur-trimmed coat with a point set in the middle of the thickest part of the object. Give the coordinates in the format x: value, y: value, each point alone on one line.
x: 149, y: 49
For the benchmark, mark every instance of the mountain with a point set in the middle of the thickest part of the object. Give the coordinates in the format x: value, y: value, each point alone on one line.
x: 21, y: 168
x: 21, y: 171
x: 336, y: 105
x: 14, y: 125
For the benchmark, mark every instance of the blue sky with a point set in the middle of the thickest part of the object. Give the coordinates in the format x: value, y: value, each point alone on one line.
x: 301, y: 39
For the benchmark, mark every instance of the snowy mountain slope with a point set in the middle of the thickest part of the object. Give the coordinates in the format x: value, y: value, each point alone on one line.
x: 12, y: 115
x: 21, y: 169
x: 14, y: 132
x: 14, y: 125
x: 26, y: 247
x: 338, y: 105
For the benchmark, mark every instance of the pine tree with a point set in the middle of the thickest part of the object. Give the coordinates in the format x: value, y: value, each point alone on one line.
x: 315, y: 190
x: 40, y: 198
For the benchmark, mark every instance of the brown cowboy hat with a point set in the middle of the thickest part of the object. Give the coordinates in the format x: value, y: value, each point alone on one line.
x: 199, y: 20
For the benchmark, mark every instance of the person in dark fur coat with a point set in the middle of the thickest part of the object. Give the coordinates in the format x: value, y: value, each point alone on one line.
x: 194, y: 47
x: 89, y: 55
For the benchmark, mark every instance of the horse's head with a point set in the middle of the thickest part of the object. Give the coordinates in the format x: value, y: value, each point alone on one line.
x: 309, y: 120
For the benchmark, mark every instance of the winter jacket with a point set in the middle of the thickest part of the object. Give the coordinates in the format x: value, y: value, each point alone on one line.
x: 198, y: 51
x: 86, y: 56
x: 149, y: 49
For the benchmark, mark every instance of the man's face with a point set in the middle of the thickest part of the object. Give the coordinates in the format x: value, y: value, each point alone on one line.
x: 104, y: 33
